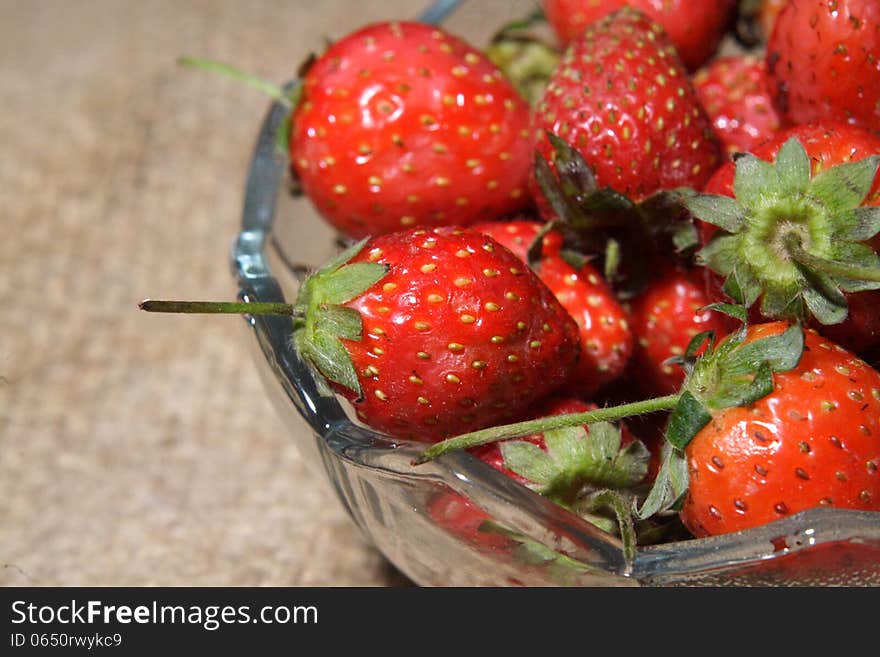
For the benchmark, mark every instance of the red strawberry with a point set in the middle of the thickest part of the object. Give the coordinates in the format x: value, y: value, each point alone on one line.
x: 518, y: 234
x: 597, y: 457
x: 403, y: 124
x: 814, y: 441
x: 605, y: 336
x: 435, y: 332
x: 768, y: 215
x: 622, y: 98
x: 733, y: 91
x: 694, y: 26
x: 665, y: 317
x: 822, y: 61
x: 463, y: 518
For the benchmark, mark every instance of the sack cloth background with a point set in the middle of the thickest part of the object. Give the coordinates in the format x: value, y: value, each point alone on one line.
x: 141, y: 449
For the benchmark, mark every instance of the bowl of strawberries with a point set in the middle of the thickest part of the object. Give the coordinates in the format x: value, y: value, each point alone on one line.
x: 592, y: 304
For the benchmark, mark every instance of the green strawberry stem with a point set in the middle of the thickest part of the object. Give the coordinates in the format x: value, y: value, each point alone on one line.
x: 833, y: 268
x: 540, y: 425
x: 269, y: 88
x: 220, y: 308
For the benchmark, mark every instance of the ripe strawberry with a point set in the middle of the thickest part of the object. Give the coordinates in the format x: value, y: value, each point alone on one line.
x: 822, y: 62
x: 734, y: 93
x: 597, y: 456
x: 433, y: 332
x: 518, y: 234
x: 603, y: 325
x: 402, y: 124
x: 694, y: 26
x: 751, y: 253
x: 622, y: 98
x: 605, y: 336
x: 665, y: 317
x: 815, y: 440
x: 462, y: 518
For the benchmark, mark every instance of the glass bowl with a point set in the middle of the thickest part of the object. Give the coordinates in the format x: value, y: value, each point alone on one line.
x: 456, y: 521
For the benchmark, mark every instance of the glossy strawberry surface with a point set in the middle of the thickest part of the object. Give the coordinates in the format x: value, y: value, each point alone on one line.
x: 665, y: 317
x: 694, y: 26
x: 459, y: 334
x: 814, y: 441
x: 402, y: 124
x: 823, y: 60
x: 622, y: 97
x: 734, y: 93
x: 603, y: 324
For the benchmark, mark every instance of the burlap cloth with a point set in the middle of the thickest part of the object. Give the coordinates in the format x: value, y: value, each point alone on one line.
x: 141, y: 449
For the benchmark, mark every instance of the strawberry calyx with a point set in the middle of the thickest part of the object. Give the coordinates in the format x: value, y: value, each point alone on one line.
x: 794, y: 241
x: 575, y: 459
x: 605, y: 222
x: 734, y: 373
x: 322, y: 320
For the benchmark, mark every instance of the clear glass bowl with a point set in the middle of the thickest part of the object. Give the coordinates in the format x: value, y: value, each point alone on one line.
x: 425, y: 518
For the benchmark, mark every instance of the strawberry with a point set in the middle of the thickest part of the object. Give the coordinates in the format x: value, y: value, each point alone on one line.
x: 603, y: 324
x: 462, y: 518
x: 800, y: 236
x: 734, y: 93
x: 518, y: 236
x: 694, y: 26
x: 432, y: 332
x: 732, y: 380
x: 605, y: 336
x: 402, y: 124
x: 822, y: 62
x: 814, y: 441
x: 665, y: 317
x: 622, y: 98
x: 597, y: 456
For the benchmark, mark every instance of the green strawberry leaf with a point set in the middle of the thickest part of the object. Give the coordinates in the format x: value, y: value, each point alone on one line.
x: 576, y: 459
x: 845, y: 186
x: 738, y: 312
x: 793, y: 167
x: 575, y: 175
x: 332, y: 360
x: 781, y: 352
x: 823, y: 297
x: 745, y: 392
x: 342, y: 257
x: 720, y: 254
x: 721, y: 211
x: 696, y: 343
x: 341, y: 322
x: 569, y: 448
x: 754, y: 180
x: 742, y: 286
x: 685, y: 237
x: 669, y: 487
x: 686, y: 420
x: 350, y: 280
x: 862, y: 224
x: 529, y: 461
x: 623, y: 512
